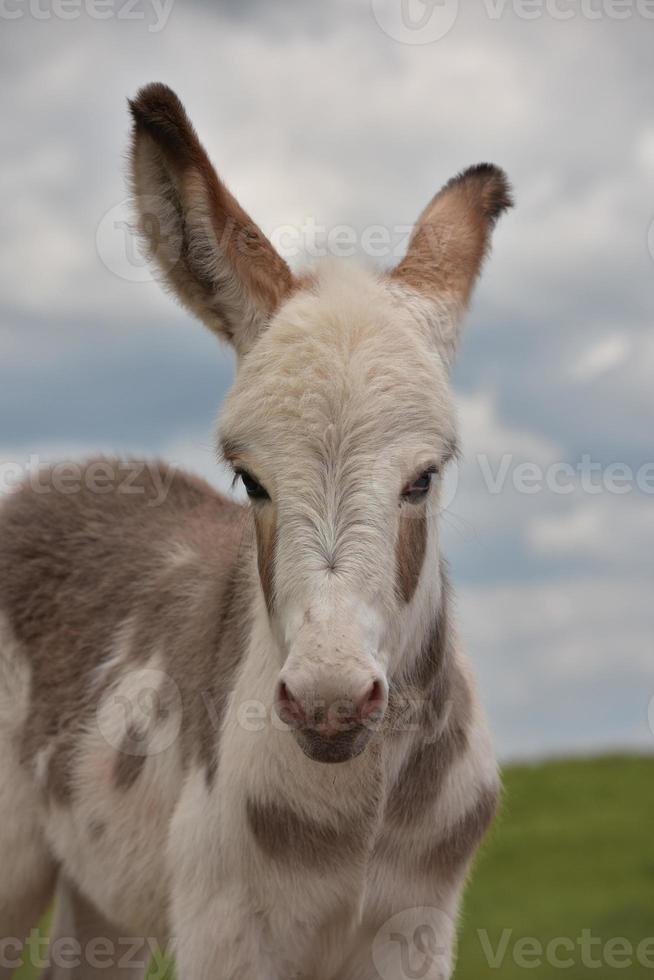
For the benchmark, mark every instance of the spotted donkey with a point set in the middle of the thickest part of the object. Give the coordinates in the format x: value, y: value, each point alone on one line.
x: 310, y: 627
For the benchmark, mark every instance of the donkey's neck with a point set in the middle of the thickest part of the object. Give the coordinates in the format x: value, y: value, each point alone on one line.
x: 427, y: 643
x: 426, y: 689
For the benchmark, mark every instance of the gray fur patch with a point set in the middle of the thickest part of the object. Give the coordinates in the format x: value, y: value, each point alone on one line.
x: 441, y: 714
x: 130, y: 760
x: 74, y: 567
x: 97, y: 829
x: 449, y: 856
x: 291, y: 838
x: 60, y: 772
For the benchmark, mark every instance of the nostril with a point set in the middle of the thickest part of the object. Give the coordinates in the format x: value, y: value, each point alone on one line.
x: 373, y: 702
x: 289, y: 708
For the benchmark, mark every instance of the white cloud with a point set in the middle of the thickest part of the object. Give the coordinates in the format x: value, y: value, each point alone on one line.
x: 564, y: 666
x: 616, y: 530
x: 484, y: 432
x: 601, y: 357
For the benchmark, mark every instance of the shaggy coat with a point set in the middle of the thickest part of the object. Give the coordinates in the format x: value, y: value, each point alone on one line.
x: 249, y: 732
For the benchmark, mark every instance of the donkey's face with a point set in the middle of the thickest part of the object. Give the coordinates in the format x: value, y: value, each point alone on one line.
x: 340, y: 422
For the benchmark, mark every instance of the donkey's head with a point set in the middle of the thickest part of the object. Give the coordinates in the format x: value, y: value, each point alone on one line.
x: 340, y: 422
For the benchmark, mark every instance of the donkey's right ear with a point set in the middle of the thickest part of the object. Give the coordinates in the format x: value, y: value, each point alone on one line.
x: 211, y: 254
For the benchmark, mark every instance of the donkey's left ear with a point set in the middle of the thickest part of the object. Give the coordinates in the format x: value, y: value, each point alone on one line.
x: 449, y: 243
x: 211, y: 254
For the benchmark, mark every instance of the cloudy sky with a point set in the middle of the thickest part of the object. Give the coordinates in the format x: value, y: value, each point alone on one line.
x: 354, y: 113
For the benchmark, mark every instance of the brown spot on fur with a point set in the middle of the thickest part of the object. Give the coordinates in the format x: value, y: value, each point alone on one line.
x: 448, y: 857
x: 97, y: 829
x: 130, y: 759
x: 410, y: 550
x: 441, y: 713
x: 60, y: 772
x: 435, y: 650
x: 287, y: 836
x: 266, y: 525
x: 452, y: 235
x: 127, y: 770
x: 423, y: 775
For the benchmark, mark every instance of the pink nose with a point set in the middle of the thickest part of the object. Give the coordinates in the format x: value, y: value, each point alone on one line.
x: 329, y: 717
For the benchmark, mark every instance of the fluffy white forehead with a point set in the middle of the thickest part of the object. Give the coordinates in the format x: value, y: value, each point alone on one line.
x: 350, y: 354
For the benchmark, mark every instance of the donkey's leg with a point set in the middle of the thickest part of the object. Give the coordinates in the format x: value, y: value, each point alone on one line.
x: 407, y: 931
x: 84, y: 946
x: 222, y: 939
x: 27, y: 870
x: 26, y: 886
x: 415, y: 942
x: 217, y: 929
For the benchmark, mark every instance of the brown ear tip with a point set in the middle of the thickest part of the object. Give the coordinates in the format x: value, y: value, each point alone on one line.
x: 491, y: 185
x: 158, y: 111
x: 154, y: 99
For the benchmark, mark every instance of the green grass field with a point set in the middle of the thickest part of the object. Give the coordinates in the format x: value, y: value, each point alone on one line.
x: 573, y: 851
x: 570, y: 862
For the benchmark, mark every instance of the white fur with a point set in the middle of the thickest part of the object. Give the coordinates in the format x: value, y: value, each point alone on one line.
x: 341, y: 397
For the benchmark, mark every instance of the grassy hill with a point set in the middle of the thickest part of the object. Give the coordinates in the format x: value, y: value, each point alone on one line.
x: 570, y: 862
x: 572, y: 851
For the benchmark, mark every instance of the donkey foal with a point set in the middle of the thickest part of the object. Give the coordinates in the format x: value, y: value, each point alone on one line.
x: 177, y: 674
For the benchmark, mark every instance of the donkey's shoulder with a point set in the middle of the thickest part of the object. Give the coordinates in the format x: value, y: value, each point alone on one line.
x: 80, y: 542
x: 105, y: 565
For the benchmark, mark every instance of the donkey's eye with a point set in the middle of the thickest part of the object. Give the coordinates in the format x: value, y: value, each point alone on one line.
x: 419, y: 487
x: 253, y: 489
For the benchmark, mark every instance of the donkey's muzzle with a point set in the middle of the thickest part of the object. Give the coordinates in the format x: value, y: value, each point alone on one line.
x: 333, y: 731
x: 339, y: 747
